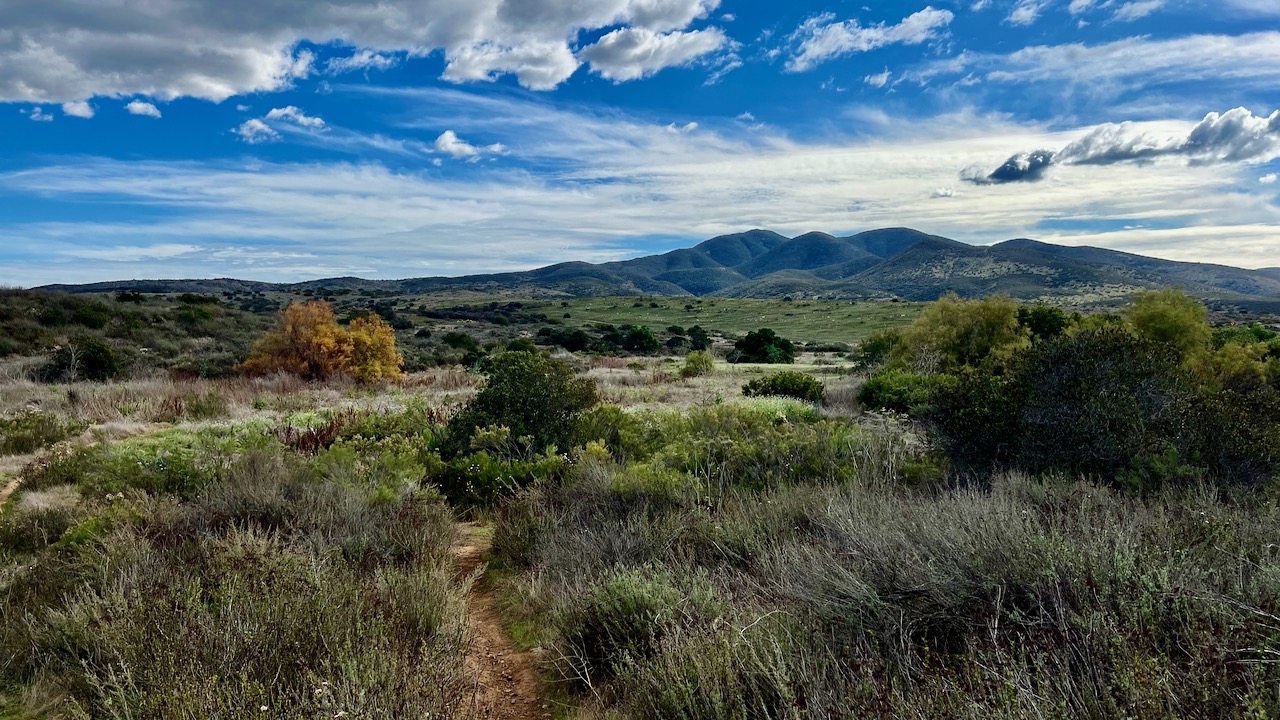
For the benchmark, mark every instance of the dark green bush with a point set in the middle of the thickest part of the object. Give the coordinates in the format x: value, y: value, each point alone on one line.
x: 798, y: 385
x: 641, y: 340
x: 763, y: 346
x: 532, y: 396
x: 895, y: 389
x: 84, y: 358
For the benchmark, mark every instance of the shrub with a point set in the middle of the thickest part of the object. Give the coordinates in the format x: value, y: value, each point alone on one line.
x: 640, y: 339
x: 84, y: 358
x: 620, y: 620
x: 764, y: 346
x: 1043, y: 321
x: 1172, y: 318
x: 28, y: 433
x: 957, y: 333
x: 531, y: 395
x: 895, y: 389
x: 796, y: 385
x: 878, y: 347
x: 697, y: 364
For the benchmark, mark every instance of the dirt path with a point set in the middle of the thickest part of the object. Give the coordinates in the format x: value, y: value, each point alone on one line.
x: 9, y: 490
x: 506, y: 679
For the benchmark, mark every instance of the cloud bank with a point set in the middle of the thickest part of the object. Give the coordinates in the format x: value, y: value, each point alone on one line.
x: 55, y: 51
x: 1236, y: 136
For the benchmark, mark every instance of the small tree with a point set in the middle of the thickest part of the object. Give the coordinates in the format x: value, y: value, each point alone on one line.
x: 965, y: 332
x: 698, y: 363
x: 535, y: 397
x: 1171, y: 318
x: 790, y: 384
x: 764, y: 346
x: 311, y: 343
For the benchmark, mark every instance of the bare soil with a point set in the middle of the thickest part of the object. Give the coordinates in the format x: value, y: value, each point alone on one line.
x: 506, y: 678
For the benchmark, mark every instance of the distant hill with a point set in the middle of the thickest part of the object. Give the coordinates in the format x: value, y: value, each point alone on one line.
x: 890, y: 262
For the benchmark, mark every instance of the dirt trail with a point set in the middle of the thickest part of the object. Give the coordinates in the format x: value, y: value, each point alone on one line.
x: 506, y: 679
x: 9, y: 490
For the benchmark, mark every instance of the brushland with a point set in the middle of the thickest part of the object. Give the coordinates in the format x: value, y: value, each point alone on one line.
x: 990, y: 510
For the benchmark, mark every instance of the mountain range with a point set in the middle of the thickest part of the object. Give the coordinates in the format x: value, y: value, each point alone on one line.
x: 886, y: 263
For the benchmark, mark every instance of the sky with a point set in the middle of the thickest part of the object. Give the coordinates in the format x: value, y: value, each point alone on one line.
x: 285, y: 140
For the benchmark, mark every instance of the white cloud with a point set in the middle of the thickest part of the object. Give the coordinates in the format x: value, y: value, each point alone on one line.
x: 1255, y: 7
x: 1026, y: 12
x: 979, y: 5
x: 746, y: 117
x: 1079, y: 6
x: 684, y: 129
x: 879, y: 79
x: 450, y: 144
x: 295, y: 116
x: 254, y: 131
x: 1137, y: 10
x: 1118, y: 69
x: 822, y: 38
x: 362, y: 60
x: 134, y: 253
x: 634, y: 53
x: 78, y: 109
x: 146, y: 109
x: 68, y: 50
x: 38, y: 114
x: 1268, y: 179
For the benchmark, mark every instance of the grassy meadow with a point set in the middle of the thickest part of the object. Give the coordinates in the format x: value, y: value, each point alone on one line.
x: 657, y: 543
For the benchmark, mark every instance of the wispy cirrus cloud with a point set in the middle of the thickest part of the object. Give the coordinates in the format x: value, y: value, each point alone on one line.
x: 822, y: 37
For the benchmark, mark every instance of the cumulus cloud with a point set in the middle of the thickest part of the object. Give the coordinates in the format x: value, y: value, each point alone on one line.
x: 295, y: 116
x: 38, y: 114
x: 146, y: 109
x: 1235, y: 136
x: 254, y: 131
x: 822, y: 38
x: 1268, y: 179
x: 450, y: 144
x: 634, y: 53
x: 78, y: 109
x: 70, y: 50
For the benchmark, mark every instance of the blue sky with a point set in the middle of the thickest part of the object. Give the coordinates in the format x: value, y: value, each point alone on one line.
x: 290, y: 139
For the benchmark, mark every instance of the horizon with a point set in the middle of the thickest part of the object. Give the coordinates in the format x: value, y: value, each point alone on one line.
x: 442, y: 138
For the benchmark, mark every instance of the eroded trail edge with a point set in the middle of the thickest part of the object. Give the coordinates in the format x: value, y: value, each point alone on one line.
x: 506, y: 678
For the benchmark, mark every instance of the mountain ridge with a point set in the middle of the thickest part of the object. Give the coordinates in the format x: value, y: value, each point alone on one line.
x: 887, y: 262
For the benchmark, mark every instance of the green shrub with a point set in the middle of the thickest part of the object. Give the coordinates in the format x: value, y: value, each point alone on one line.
x: 895, y: 389
x: 28, y: 433
x: 84, y: 358
x: 878, y: 346
x: 798, y: 385
x: 621, y: 620
x: 532, y: 396
x: 641, y: 340
x: 697, y: 364
x: 763, y: 346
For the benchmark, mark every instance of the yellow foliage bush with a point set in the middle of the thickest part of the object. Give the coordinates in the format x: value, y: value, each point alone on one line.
x: 310, y: 343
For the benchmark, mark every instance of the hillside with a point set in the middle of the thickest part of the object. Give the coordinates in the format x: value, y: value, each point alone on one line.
x: 890, y: 262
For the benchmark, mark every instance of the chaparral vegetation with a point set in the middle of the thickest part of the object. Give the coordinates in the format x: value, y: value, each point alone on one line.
x: 249, y: 506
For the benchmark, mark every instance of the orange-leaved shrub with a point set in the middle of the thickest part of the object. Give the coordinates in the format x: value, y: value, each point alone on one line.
x: 310, y: 343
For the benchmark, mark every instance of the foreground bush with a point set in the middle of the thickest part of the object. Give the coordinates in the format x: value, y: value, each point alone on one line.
x: 870, y: 601
x: 532, y: 396
x: 277, y: 586
x: 895, y: 389
x: 798, y: 385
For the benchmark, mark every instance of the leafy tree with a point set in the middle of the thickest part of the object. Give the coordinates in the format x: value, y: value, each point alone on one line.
x: 84, y: 358
x: 640, y: 339
x: 798, y: 385
x: 895, y: 389
x: 522, y: 344
x: 958, y: 333
x: 699, y: 339
x: 373, y: 350
x: 533, y: 396
x: 1043, y: 321
x: 764, y: 346
x: 310, y: 343
x: 1172, y: 318
x: 879, y: 346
